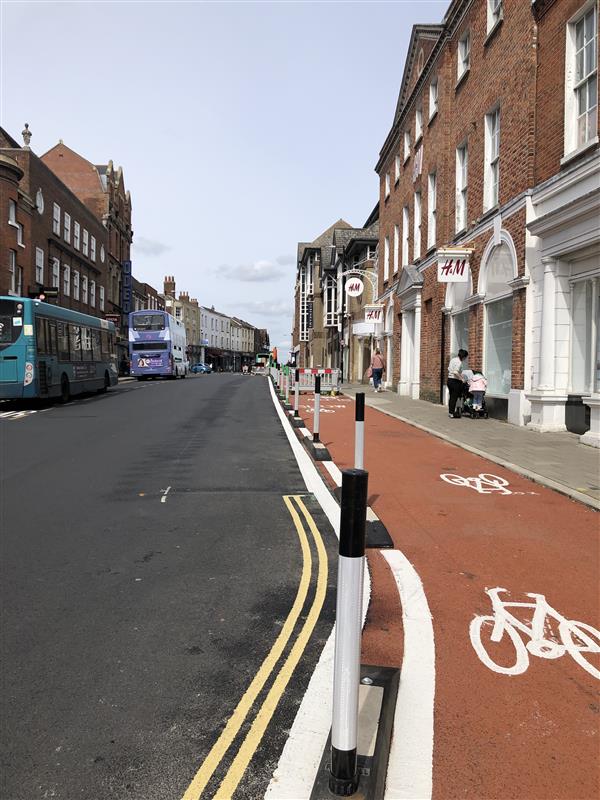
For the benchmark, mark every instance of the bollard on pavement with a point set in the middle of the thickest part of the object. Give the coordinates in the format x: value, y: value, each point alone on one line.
x: 359, y: 431
x: 343, y: 779
x: 297, y: 393
x: 287, y: 386
x: 317, y: 405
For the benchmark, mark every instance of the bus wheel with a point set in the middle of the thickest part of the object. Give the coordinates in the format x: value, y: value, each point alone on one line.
x: 65, y: 389
x: 106, y: 384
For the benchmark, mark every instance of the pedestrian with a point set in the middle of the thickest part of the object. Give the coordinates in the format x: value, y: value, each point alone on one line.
x: 477, y: 387
x: 377, y: 368
x: 455, y: 381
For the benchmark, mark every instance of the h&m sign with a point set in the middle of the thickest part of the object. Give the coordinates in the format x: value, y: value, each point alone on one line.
x: 374, y: 314
x: 453, y: 265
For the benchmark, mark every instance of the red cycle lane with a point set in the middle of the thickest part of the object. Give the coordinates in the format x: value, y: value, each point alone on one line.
x: 517, y: 718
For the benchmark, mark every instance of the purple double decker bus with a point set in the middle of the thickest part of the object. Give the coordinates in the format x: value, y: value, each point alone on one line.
x: 157, y: 345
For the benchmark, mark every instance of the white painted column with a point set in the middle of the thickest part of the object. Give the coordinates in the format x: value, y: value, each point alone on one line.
x: 592, y: 437
x: 547, y: 342
x: 416, y: 354
x: 404, y: 384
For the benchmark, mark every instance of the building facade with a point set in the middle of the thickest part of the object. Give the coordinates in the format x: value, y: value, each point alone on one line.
x: 216, y: 332
x: 186, y: 310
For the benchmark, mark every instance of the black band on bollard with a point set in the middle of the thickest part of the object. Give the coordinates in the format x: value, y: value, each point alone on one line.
x: 297, y: 376
x: 317, y: 384
x: 354, y: 512
x: 359, y: 410
x: 343, y: 780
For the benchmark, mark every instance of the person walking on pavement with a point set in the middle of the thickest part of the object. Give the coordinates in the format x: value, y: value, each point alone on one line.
x: 377, y: 368
x: 455, y: 381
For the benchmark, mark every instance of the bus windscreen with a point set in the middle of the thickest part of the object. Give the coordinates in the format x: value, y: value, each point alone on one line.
x: 11, y: 321
x: 148, y: 322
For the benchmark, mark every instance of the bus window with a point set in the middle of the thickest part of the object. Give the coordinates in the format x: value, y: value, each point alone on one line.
x: 40, y: 335
x: 63, y: 341
x: 75, y: 337
x: 96, y: 346
x: 51, y: 342
x: 86, y: 344
x: 11, y: 322
x: 148, y: 322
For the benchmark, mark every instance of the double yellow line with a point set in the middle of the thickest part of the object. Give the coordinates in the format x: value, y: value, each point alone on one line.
x: 267, y: 709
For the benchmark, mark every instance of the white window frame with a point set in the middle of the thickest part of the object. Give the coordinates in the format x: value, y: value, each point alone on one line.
x: 463, y: 55
x: 462, y: 187
x: 329, y: 303
x: 39, y: 265
x: 76, y: 235
x: 84, y: 289
x: 396, y: 247
x: 56, y: 274
x: 67, y: 227
x: 574, y: 84
x: 66, y: 280
x: 56, y: 219
x: 387, y: 184
x: 405, y: 235
x: 417, y: 227
x: 491, y: 174
x: 13, y: 270
x: 418, y: 124
x: 386, y: 258
x: 85, y: 243
x: 397, y: 166
x: 93, y: 248
x: 433, y: 98
x: 93, y: 294
x: 75, y: 285
x: 101, y: 297
x: 431, y: 209
x: 495, y: 13
x: 406, y: 146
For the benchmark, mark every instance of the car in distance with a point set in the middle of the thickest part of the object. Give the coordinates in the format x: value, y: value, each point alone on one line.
x: 201, y: 368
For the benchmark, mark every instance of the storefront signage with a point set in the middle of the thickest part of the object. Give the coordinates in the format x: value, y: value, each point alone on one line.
x: 354, y: 287
x: 126, y: 287
x: 374, y: 314
x: 453, y: 265
x: 114, y: 318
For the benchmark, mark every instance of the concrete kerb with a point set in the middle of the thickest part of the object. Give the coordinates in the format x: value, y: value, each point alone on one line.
x: 532, y: 476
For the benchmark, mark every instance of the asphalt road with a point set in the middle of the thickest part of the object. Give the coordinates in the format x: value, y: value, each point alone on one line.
x: 135, y: 618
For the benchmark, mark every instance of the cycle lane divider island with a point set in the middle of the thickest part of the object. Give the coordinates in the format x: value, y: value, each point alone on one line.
x: 510, y: 571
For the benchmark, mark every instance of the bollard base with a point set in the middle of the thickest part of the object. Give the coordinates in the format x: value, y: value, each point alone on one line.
x: 287, y: 406
x: 318, y: 451
x: 297, y: 422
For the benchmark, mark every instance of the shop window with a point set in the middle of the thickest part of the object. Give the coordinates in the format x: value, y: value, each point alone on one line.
x: 584, y: 369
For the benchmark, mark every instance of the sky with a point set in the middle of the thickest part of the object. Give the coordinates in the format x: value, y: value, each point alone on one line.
x: 242, y: 127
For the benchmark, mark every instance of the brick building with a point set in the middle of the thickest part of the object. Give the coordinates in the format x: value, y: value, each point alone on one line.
x: 49, y: 237
x: 480, y: 120
x: 188, y: 311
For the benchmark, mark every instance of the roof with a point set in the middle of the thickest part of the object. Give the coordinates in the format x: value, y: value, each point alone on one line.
x: 324, y: 240
x: 419, y: 32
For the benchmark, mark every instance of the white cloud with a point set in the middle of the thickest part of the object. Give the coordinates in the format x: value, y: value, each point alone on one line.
x: 268, y: 308
x: 252, y: 273
x: 149, y: 247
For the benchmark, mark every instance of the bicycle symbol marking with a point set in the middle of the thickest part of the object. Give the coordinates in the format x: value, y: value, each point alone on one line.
x: 484, y: 483
x: 575, y: 638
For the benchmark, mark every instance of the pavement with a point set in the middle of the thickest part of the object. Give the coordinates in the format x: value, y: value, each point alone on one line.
x: 556, y: 460
x: 505, y: 712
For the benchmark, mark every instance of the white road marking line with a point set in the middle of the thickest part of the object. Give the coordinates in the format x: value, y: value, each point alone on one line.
x: 163, y: 499
x: 305, y: 432
x: 334, y: 471
x: 410, y: 767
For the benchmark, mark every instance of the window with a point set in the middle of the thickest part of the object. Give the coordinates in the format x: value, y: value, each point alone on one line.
x: 405, y: 234
x: 93, y: 248
x: 12, y: 269
x: 417, y: 230
x: 581, y: 81
x: 93, y: 294
x: 584, y: 338
x: 418, y: 124
x: 39, y: 265
x: 56, y: 219
x: 406, y: 145
x: 497, y: 271
x: 386, y: 258
x: 67, y: 227
x: 330, y: 304
x: 492, y: 159
x: 396, y: 246
x: 12, y: 212
x: 387, y: 184
x: 101, y: 297
x: 55, y: 273
x: 66, y: 280
x: 86, y: 239
x: 75, y: 285
x: 464, y: 55
x: 76, y: 235
x: 462, y: 165
x: 431, y: 209
x: 397, y: 169
x: 84, y: 289
x: 494, y: 14
x: 433, y: 98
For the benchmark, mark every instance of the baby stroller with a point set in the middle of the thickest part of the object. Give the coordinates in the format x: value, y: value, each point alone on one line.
x: 464, y: 405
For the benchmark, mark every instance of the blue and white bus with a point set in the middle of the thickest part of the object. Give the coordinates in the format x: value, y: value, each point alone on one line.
x: 157, y: 345
x: 48, y: 351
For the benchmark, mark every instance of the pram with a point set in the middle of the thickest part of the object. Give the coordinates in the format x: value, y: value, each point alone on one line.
x: 464, y: 405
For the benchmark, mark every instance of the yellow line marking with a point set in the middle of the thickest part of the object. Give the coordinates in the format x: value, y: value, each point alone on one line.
x: 218, y: 750
x: 262, y: 719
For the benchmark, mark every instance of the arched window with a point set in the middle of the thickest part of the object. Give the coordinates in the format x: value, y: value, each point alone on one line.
x: 498, y: 268
x: 456, y: 301
x: 389, y: 318
x: 420, y: 61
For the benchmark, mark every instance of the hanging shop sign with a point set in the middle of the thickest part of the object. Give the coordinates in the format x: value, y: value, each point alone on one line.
x: 354, y: 287
x: 374, y: 314
x: 453, y: 265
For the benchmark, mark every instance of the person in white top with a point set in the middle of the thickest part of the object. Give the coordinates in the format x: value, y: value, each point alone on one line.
x: 455, y: 381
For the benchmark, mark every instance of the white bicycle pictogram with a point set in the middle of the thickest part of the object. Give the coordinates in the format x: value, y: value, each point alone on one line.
x: 484, y: 483
x: 576, y: 638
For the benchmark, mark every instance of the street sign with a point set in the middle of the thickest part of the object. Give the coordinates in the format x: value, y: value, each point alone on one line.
x: 453, y: 265
x: 374, y: 314
x: 354, y: 287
